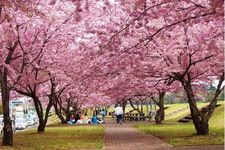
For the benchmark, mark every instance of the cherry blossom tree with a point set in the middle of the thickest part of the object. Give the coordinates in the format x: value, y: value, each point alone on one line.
x: 92, y: 53
x: 11, y: 54
x: 183, y: 42
x: 26, y: 33
x: 42, y: 80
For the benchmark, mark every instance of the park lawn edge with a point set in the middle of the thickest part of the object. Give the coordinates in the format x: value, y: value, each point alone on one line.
x: 60, y: 137
x: 184, y: 134
x: 179, y: 138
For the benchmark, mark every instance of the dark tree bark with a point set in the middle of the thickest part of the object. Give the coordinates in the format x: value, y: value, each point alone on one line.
x: 201, y: 118
x: 59, y: 113
x: 200, y: 123
x: 63, y: 112
x: 68, y: 114
x: 160, y: 113
x: 124, y: 104
x: 38, y: 107
x: 5, y: 91
x: 135, y: 108
x: 141, y: 106
x: 7, y: 129
x: 39, y: 111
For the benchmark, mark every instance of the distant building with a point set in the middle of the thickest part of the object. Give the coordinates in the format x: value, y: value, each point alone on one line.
x: 22, y: 108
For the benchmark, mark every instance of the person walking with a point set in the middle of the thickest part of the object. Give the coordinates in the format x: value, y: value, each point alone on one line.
x: 119, y: 114
x: 103, y: 113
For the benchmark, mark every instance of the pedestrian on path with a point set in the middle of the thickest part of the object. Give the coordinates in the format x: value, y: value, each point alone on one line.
x: 119, y: 113
x: 103, y: 113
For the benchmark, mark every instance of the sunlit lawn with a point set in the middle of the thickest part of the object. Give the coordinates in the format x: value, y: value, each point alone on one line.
x: 180, y: 134
x: 60, y: 137
x: 181, y: 114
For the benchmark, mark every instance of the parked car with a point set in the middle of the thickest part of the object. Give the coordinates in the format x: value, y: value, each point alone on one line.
x: 20, y: 124
x: 36, y: 120
x: 30, y: 122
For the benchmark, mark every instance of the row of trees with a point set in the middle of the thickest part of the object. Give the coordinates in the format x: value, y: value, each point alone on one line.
x: 86, y: 53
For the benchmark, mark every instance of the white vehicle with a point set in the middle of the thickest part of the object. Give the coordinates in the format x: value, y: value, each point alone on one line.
x: 20, y: 124
x: 30, y: 122
x: 36, y: 120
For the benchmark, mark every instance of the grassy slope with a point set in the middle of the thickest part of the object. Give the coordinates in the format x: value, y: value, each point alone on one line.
x: 181, y: 114
x: 217, y: 119
x: 185, y: 112
x: 60, y: 137
x: 179, y: 134
x: 53, y: 119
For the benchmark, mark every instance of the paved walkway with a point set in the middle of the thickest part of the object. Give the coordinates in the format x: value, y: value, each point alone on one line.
x: 126, y: 137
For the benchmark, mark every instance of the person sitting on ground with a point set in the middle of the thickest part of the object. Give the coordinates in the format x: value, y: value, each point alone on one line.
x: 72, y: 120
x: 85, y: 119
x: 94, y: 119
x: 100, y: 121
x: 80, y: 121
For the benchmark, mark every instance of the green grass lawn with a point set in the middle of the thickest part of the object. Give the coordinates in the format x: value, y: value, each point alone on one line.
x: 181, y: 114
x: 180, y: 134
x: 60, y: 137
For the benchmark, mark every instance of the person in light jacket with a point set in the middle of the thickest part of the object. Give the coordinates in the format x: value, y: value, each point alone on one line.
x: 119, y: 113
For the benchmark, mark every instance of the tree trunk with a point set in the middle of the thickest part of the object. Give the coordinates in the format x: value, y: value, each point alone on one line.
x: 158, y: 119
x: 160, y: 113
x: 5, y: 91
x: 67, y: 111
x: 199, y: 119
x: 202, y: 126
x: 68, y: 116
x: 41, y: 126
x: 161, y: 102
x: 39, y: 111
x: 147, y: 109
x: 151, y: 107
x: 124, y: 104
x: 137, y: 108
x: 7, y: 129
x: 59, y: 113
x: 141, y: 106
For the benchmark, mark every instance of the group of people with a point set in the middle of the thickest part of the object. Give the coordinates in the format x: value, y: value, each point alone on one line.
x: 83, y: 119
x: 79, y: 119
x: 118, y: 112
